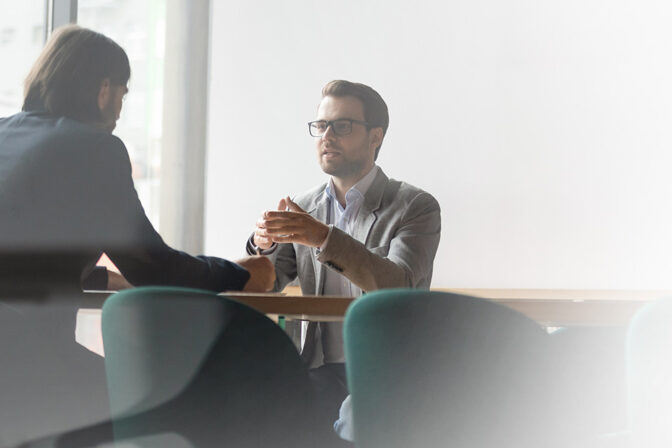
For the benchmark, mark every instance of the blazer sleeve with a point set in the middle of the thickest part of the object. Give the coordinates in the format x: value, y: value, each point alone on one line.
x: 409, y: 258
x: 132, y: 243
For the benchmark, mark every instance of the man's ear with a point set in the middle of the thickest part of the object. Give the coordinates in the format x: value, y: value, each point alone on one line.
x: 376, y: 137
x: 104, y: 93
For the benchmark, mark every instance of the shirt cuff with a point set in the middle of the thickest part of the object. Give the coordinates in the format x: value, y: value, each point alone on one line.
x: 326, y: 240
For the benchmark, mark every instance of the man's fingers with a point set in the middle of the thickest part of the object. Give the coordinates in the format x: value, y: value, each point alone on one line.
x: 261, y: 223
x: 293, y: 206
x: 285, y: 239
x: 285, y: 230
x: 282, y: 205
x: 276, y: 215
x: 263, y: 241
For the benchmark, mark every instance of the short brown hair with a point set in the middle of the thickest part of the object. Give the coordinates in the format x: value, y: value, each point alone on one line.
x: 375, y: 109
x: 66, y: 78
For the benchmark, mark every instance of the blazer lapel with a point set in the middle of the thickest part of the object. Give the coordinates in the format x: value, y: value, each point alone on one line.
x: 320, y: 213
x: 367, y: 214
x: 312, y: 343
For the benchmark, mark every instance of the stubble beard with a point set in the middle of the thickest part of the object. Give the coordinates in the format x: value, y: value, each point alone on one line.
x: 108, y: 117
x: 345, y: 169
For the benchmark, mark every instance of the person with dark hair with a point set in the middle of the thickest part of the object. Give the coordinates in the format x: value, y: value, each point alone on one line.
x: 66, y: 191
x: 66, y: 197
x: 359, y: 232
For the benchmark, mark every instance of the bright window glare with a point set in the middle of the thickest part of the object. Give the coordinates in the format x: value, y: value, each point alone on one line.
x: 139, y: 27
x: 21, y: 40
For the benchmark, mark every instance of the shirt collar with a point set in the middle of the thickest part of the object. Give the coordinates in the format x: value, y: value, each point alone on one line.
x: 359, y: 189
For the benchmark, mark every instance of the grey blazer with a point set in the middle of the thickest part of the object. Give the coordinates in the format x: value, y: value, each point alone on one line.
x: 395, y: 238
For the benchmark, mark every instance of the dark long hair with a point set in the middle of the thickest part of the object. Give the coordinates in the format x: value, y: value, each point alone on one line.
x: 66, y: 78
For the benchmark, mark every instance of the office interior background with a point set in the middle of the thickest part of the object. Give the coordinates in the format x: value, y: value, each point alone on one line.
x: 543, y: 128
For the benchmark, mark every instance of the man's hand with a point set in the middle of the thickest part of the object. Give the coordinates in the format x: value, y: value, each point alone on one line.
x: 262, y: 273
x: 261, y: 238
x: 289, y: 226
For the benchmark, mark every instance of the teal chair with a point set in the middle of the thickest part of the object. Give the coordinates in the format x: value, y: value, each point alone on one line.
x: 431, y: 369
x: 649, y: 374
x: 189, y: 368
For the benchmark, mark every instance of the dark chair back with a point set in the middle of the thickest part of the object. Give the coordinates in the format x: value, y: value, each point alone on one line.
x: 431, y: 369
x: 206, y: 368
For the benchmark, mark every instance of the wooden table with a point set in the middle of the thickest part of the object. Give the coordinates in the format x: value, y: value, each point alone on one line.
x: 297, y: 307
x: 549, y: 307
x: 571, y: 307
x: 313, y: 308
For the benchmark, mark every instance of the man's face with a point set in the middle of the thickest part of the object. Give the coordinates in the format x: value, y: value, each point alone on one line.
x: 111, y: 109
x: 345, y: 156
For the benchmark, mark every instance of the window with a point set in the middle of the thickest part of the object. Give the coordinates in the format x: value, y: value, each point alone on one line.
x: 139, y: 27
x: 22, y: 33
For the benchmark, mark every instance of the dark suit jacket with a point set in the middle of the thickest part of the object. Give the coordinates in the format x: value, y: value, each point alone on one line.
x: 66, y: 196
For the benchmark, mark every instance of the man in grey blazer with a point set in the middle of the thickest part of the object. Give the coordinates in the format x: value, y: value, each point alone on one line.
x: 359, y: 232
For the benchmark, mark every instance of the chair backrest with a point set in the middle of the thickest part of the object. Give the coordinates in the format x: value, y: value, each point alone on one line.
x: 205, y: 367
x: 649, y: 374
x: 432, y: 369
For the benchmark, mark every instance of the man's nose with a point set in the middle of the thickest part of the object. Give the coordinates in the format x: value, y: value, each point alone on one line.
x: 329, y: 133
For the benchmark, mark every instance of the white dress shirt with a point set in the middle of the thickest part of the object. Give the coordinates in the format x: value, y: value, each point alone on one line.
x: 335, y: 284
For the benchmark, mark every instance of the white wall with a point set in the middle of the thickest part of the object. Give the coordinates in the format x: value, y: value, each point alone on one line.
x: 543, y: 127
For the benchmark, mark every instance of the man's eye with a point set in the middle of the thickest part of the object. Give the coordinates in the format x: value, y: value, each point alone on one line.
x: 341, y: 126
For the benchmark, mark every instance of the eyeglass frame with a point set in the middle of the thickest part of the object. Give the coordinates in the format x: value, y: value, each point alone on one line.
x: 331, y: 122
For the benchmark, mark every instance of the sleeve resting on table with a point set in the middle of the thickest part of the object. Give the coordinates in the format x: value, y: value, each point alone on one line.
x: 133, y: 244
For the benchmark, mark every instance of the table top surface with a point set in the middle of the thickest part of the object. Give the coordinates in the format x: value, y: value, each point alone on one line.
x: 549, y: 307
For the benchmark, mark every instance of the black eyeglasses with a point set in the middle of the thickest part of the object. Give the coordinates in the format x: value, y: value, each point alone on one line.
x: 342, y: 126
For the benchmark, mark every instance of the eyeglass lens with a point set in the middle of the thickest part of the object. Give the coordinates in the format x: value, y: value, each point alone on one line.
x: 340, y: 127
